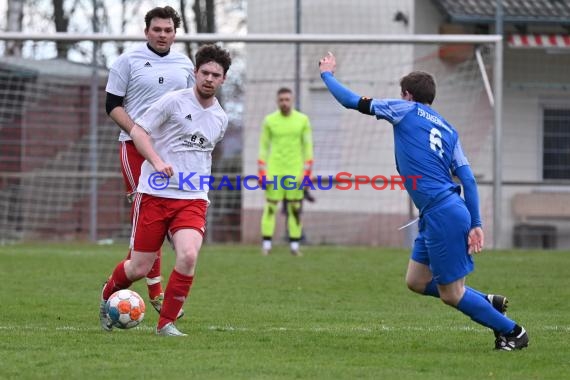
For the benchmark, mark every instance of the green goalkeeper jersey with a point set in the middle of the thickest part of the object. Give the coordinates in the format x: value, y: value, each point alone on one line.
x: 286, y: 143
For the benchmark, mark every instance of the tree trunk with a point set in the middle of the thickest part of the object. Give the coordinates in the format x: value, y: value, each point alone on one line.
x: 61, y: 24
x: 210, y: 16
x: 205, y: 15
x: 123, y: 30
x: 186, y: 27
x: 14, y: 17
x: 198, y: 15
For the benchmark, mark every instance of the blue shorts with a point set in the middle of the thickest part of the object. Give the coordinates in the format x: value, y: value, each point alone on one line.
x: 442, y: 240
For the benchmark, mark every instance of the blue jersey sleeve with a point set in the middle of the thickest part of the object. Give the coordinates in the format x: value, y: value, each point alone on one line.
x: 470, y: 193
x: 342, y: 94
x: 392, y: 110
x: 458, y: 158
x: 460, y: 167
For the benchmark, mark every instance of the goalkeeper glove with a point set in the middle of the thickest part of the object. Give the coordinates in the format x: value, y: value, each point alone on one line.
x: 261, y: 172
x: 308, y: 169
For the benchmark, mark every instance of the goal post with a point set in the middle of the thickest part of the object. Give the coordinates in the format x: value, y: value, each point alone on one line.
x: 47, y: 188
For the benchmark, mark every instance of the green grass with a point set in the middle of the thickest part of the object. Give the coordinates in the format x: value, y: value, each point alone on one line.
x: 336, y: 313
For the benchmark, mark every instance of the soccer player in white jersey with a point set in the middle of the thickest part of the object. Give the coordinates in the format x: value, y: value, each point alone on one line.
x: 176, y: 135
x: 137, y: 79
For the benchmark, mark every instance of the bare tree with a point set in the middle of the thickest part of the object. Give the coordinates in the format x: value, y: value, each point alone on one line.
x: 14, y: 17
x: 186, y: 27
x: 94, y: 16
x: 205, y: 16
x: 61, y: 20
x: 127, y: 15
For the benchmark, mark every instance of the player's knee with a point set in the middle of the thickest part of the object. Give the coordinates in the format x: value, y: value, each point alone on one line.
x: 452, y: 293
x: 449, y: 298
x: 415, y: 283
x: 415, y: 286
x: 271, y: 207
x: 294, y: 207
x: 186, y: 259
x: 139, y: 270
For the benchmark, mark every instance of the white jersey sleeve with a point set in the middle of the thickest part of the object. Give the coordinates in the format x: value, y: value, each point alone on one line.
x: 118, y: 81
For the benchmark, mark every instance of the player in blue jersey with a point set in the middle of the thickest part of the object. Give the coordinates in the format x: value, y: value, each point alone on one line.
x: 428, y: 152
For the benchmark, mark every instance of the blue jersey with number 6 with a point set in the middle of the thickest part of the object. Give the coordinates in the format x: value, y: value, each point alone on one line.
x: 427, y: 148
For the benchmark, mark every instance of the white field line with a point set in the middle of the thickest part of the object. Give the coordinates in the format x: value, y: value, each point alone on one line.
x: 317, y: 329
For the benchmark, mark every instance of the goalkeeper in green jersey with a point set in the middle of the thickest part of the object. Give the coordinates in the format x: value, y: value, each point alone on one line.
x: 285, y: 158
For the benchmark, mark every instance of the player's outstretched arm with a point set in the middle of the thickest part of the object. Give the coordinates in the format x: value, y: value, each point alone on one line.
x: 343, y: 95
x: 143, y: 143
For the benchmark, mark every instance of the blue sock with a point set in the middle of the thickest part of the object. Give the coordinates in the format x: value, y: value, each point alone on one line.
x: 431, y: 290
x: 483, y: 312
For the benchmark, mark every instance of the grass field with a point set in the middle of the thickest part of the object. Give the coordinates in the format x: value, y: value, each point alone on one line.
x: 336, y: 313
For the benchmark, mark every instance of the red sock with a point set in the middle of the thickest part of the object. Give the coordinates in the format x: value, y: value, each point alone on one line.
x: 153, y: 279
x: 117, y: 281
x: 176, y: 292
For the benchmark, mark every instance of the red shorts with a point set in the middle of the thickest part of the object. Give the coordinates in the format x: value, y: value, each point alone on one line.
x: 154, y: 216
x: 131, y: 162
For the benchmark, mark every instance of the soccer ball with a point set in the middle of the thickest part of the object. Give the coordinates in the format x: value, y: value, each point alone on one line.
x: 125, y: 308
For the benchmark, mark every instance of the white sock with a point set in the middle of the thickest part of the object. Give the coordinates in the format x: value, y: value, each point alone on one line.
x: 294, y: 246
x: 153, y: 280
x: 267, y: 245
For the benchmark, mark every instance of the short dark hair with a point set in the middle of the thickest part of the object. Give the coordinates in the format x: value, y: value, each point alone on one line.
x: 284, y: 90
x: 420, y: 85
x: 213, y: 53
x: 162, y: 12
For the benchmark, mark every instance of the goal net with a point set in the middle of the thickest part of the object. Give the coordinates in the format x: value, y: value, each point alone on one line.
x: 52, y: 127
x: 348, y: 144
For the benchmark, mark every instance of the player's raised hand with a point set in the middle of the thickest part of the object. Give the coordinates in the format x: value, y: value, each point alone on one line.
x: 327, y: 63
x: 475, y: 240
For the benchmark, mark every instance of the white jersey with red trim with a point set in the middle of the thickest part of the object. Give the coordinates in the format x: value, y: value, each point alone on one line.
x: 184, y: 135
x: 141, y: 76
